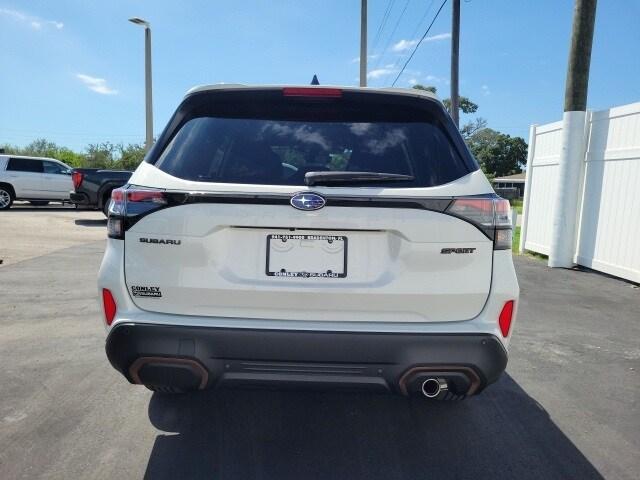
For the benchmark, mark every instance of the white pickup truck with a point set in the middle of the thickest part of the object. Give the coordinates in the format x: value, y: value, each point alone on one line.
x: 37, y: 180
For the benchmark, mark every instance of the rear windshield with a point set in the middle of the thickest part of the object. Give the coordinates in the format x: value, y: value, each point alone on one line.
x: 278, y: 147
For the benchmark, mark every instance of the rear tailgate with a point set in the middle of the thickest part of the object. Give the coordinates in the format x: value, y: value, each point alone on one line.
x: 230, y: 244
x: 211, y: 260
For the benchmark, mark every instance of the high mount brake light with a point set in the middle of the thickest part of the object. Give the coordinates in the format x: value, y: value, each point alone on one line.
x: 77, y: 178
x: 491, y: 215
x: 312, y: 92
x: 129, y: 203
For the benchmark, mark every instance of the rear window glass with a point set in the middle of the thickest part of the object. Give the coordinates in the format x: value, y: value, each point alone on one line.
x: 280, y: 151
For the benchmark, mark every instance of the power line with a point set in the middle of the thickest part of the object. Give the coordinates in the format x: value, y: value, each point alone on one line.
x: 419, y: 43
x: 385, y: 17
x: 411, y: 37
x: 424, y: 16
x: 393, y: 32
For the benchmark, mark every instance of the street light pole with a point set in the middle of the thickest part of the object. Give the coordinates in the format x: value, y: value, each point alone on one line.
x: 147, y: 79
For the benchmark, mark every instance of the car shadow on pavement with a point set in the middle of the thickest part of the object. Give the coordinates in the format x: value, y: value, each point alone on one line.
x: 243, y: 434
x: 89, y: 222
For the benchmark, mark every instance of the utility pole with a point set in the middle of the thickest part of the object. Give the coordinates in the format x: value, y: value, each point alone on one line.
x: 455, y: 54
x: 565, y: 214
x: 363, y: 44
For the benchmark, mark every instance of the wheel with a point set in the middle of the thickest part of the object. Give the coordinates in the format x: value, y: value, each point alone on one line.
x: 39, y: 203
x: 6, y: 198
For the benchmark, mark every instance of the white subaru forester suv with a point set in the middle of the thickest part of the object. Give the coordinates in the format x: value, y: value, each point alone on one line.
x: 314, y: 237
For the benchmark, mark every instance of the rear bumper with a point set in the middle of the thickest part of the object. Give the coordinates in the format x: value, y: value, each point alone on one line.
x: 200, y: 357
x: 80, y: 199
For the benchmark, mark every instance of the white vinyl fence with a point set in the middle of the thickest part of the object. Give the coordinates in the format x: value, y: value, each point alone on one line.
x: 609, y: 213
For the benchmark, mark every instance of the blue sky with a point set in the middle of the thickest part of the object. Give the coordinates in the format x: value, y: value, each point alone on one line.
x: 72, y: 70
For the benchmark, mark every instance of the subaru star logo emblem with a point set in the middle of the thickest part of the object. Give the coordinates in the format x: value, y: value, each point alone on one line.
x: 307, y: 201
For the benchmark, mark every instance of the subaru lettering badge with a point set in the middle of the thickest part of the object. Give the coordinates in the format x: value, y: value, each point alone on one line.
x: 307, y: 201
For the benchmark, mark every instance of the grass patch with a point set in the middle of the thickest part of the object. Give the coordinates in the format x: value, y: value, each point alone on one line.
x: 517, y: 204
x: 539, y: 256
x: 515, y: 244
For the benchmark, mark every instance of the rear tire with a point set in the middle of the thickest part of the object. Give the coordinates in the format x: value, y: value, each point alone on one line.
x: 6, y: 198
x: 39, y: 203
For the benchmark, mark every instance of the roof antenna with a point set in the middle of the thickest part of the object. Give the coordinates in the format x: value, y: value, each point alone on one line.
x: 315, y: 80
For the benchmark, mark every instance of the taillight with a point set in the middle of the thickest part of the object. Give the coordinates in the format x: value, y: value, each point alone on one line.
x: 504, y: 320
x: 312, y: 92
x: 76, y: 178
x: 109, y: 305
x: 491, y: 215
x: 129, y: 204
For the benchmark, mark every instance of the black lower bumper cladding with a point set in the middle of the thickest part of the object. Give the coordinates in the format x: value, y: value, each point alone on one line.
x: 79, y: 198
x: 199, y: 357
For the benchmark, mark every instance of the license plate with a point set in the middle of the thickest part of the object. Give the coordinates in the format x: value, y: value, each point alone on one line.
x: 306, y: 256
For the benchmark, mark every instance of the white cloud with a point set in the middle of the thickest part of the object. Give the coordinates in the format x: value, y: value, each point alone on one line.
x: 98, y: 85
x: 381, y: 72
x: 440, y: 36
x: 369, y: 57
x: 413, y: 81
x: 403, y: 45
x: 434, y: 79
x: 29, y: 20
x: 485, y: 90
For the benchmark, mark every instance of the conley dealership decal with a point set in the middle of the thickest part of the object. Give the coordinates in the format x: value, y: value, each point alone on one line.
x: 138, y: 291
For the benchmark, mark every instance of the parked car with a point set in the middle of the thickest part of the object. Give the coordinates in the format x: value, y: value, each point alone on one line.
x: 309, y: 236
x: 92, y: 187
x: 38, y: 180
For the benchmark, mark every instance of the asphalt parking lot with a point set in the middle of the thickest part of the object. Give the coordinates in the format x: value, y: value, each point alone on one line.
x: 568, y: 406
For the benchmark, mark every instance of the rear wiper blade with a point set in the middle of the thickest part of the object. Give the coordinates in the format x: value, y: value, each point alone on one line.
x: 331, y: 178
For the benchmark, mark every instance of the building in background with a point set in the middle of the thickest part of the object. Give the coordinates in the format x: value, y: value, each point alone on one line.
x: 511, y: 186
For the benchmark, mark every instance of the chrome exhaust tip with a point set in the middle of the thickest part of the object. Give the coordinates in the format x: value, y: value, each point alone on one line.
x: 434, y: 387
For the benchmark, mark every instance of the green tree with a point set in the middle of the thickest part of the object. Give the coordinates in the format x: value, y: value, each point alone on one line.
x: 45, y: 148
x: 427, y: 88
x: 499, y: 154
x: 101, y: 155
x: 465, y: 105
x: 41, y: 148
x: 130, y: 156
x: 472, y: 127
x: 68, y: 156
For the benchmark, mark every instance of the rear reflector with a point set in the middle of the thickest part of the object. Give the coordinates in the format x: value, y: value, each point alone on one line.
x: 109, y: 304
x: 504, y: 320
x: 312, y: 92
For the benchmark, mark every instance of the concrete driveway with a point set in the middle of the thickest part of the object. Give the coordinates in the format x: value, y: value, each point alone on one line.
x: 567, y: 407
